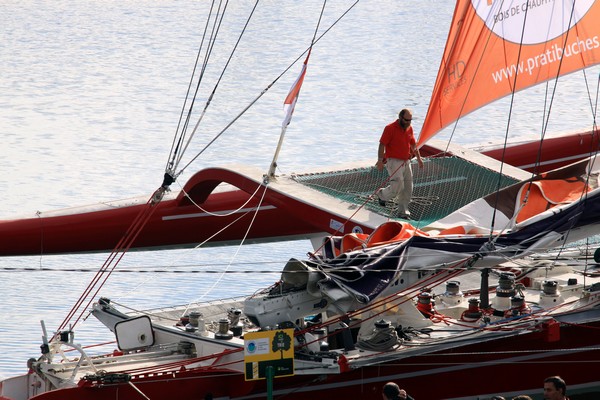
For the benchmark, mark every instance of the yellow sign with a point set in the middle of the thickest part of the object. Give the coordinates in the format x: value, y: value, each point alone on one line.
x: 269, y: 348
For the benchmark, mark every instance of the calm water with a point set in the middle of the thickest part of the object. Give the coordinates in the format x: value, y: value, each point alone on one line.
x: 90, y: 95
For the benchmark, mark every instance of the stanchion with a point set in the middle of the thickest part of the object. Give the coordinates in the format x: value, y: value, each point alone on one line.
x: 270, y: 374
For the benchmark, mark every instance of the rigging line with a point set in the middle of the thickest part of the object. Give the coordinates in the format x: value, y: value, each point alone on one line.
x: 210, y: 97
x: 547, y: 121
x: 164, y: 268
x: 123, y: 251
x: 585, y: 270
x: 138, y: 390
x: 430, y: 281
x: 363, y: 205
x: 122, y: 246
x: 154, y: 271
x: 470, y: 88
x: 595, y: 108
x: 583, y: 199
x: 393, y: 300
x: 290, y: 104
x: 544, y: 125
x: 212, y: 40
x: 348, y: 219
x: 198, y: 206
x: 200, y: 245
x: 263, y: 92
x: 545, y: 116
x: 418, y: 223
x: 145, y: 370
x: 102, y: 269
x: 444, y: 62
x: 220, y: 362
x: 490, y: 34
x: 558, y: 71
x: 318, y: 24
x: 209, y: 51
x: 512, y: 101
x: 41, y: 221
x: 593, y: 104
x: 218, y: 280
x: 173, y: 151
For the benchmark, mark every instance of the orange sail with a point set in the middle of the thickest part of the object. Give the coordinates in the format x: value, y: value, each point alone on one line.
x: 497, y: 47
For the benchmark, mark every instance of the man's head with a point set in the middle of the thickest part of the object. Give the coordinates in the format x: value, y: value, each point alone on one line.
x: 555, y: 388
x: 391, y: 391
x: 405, y: 118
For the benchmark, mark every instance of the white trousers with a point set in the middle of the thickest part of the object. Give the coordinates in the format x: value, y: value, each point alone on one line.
x: 400, y: 184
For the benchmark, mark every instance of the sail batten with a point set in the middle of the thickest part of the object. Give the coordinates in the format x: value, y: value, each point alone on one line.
x: 495, y: 48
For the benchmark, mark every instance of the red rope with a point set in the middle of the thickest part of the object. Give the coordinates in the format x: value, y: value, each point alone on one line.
x: 113, y: 260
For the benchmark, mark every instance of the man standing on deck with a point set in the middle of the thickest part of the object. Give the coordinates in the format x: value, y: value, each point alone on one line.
x: 397, y: 146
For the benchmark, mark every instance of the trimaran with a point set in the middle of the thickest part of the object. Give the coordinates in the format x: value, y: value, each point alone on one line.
x: 463, y: 292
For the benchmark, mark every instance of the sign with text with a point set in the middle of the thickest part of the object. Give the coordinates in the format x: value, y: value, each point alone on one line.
x: 269, y: 349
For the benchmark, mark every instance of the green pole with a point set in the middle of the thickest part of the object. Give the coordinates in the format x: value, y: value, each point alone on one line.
x: 270, y: 374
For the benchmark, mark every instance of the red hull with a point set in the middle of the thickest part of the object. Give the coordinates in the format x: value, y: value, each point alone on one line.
x: 553, y: 153
x: 174, y: 223
x: 510, y: 365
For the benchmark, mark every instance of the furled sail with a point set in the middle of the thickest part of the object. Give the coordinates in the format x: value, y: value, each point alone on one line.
x: 495, y: 45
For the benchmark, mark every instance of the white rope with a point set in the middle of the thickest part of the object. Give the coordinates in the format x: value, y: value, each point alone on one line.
x: 198, y: 206
x: 151, y: 276
x: 138, y: 390
x: 218, y: 280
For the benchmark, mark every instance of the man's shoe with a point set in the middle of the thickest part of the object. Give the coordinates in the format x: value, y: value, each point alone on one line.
x: 403, y: 215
